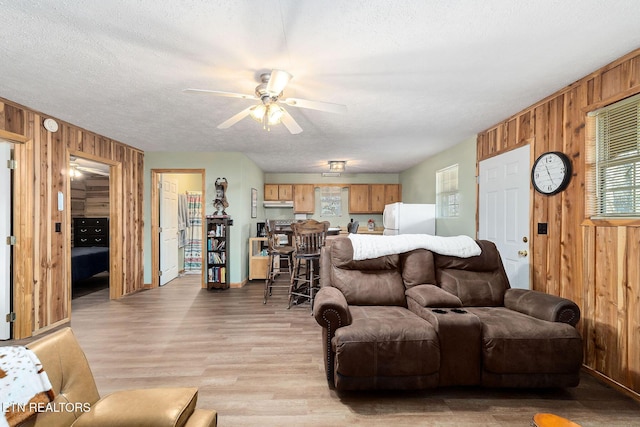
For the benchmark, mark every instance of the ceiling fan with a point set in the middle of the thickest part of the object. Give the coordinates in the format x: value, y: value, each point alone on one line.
x: 270, y: 111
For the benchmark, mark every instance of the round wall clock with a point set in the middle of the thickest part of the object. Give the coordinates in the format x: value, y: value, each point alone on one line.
x: 551, y: 173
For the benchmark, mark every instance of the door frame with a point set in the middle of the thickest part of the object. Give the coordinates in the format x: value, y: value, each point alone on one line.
x: 23, y: 229
x: 6, y: 260
x: 116, y: 243
x: 155, y: 222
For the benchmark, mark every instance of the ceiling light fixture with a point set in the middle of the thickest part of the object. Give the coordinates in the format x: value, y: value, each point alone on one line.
x: 74, y: 172
x: 268, y: 114
x: 337, y: 165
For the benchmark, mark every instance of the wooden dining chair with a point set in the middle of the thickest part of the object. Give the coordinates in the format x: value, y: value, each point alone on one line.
x: 308, y: 239
x: 277, y: 255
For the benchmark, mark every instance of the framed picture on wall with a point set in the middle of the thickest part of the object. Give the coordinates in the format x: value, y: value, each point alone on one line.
x: 254, y: 203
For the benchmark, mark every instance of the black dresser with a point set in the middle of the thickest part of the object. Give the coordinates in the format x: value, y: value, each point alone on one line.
x: 90, y: 232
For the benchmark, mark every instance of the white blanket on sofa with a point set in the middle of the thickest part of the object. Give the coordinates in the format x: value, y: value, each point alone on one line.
x: 367, y: 246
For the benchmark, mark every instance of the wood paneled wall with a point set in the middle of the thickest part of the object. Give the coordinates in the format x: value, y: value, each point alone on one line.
x: 595, y: 263
x: 42, y: 291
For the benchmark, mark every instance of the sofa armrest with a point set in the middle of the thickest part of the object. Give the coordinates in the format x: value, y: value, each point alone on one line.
x: 331, y: 311
x: 170, y: 407
x: 432, y: 296
x: 542, y: 306
x: 330, y: 308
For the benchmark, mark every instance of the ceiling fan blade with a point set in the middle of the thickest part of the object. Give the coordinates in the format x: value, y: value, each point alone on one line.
x: 221, y: 93
x: 235, y: 119
x: 315, y: 105
x: 290, y: 123
x: 278, y: 81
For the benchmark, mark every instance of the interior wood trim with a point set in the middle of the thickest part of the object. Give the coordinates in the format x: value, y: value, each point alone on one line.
x: 617, y: 97
x: 116, y: 232
x: 613, y: 384
x: 13, y: 137
x: 630, y: 222
x: 155, y: 223
x: 23, y: 229
x: 116, y: 244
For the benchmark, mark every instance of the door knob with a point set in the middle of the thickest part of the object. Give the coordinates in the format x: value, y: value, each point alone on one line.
x: 523, y: 253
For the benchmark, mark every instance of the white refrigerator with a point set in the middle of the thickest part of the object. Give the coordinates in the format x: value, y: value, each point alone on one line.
x: 407, y: 218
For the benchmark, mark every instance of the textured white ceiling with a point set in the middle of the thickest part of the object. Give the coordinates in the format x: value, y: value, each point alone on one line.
x: 417, y: 76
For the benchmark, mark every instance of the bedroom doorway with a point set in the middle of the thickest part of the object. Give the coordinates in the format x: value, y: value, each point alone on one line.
x: 90, y: 212
x: 177, y: 218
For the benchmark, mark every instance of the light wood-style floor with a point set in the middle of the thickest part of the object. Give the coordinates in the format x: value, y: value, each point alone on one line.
x: 261, y: 365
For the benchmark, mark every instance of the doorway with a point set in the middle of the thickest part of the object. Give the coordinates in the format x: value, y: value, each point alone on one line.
x: 90, y: 213
x: 503, y: 211
x: 177, y: 218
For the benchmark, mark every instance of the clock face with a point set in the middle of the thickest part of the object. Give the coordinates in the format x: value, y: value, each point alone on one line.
x: 551, y: 173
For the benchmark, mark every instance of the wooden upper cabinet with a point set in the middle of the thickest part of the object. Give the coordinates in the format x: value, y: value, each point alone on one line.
x: 377, y: 197
x: 278, y: 192
x: 285, y: 192
x: 304, y: 200
x: 392, y: 193
x: 359, y: 198
x: 271, y: 192
x: 371, y: 198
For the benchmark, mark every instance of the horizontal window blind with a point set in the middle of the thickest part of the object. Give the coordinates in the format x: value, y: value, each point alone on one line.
x: 616, y: 174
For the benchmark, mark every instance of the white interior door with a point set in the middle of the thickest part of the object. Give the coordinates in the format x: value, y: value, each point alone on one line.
x: 504, y: 211
x: 5, y: 231
x: 169, y: 228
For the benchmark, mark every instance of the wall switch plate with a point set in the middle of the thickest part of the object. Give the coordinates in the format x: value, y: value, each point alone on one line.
x: 58, y: 227
x: 542, y: 228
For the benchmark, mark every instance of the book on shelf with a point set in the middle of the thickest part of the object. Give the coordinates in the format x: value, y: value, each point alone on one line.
x: 217, y: 274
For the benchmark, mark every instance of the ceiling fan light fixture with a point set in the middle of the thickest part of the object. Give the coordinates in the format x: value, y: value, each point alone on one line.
x: 274, y: 114
x: 337, y: 165
x: 258, y: 112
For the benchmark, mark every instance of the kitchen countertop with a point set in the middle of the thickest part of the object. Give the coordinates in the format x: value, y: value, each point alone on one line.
x: 362, y: 230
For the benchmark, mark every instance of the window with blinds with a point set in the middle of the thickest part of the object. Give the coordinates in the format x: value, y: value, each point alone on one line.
x: 613, y: 163
x: 447, y: 195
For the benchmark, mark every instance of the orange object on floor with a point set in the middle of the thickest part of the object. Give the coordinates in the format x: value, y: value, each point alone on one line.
x: 551, y: 420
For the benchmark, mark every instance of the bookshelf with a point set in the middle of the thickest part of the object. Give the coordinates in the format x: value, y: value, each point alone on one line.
x: 217, y: 252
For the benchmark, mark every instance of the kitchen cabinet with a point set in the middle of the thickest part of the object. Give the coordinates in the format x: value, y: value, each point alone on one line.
x: 377, y: 197
x: 392, y: 193
x: 371, y: 198
x: 278, y: 192
x: 359, y: 198
x: 304, y: 200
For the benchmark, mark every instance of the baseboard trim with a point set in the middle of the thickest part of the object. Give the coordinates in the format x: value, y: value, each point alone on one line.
x: 613, y: 384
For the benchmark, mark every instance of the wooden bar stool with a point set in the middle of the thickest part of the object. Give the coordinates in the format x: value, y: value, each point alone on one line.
x: 308, y: 239
x: 277, y: 253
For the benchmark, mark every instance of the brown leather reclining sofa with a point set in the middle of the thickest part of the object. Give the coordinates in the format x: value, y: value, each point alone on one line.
x: 74, y: 387
x: 418, y: 320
